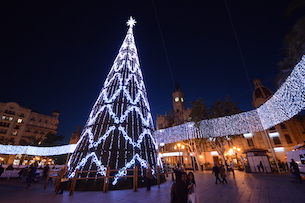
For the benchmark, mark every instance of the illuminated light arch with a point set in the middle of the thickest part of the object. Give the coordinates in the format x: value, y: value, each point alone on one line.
x: 286, y: 102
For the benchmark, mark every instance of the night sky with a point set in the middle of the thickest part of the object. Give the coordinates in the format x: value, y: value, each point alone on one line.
x: 55, y: 55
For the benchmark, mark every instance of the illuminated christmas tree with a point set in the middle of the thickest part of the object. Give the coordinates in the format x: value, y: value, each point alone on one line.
x: 119, y: 131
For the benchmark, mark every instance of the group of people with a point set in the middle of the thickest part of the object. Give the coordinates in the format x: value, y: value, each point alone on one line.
x: 220, y: 170
x: 184, y: 188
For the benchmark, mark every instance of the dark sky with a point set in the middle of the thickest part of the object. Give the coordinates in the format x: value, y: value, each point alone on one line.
x: 57, y: 54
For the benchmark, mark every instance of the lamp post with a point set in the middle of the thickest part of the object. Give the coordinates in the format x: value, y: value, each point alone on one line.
x: 236, y: 150
x: 179, y: 147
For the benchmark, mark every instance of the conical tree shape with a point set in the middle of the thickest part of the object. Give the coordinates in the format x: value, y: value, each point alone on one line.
x: 119, y: 131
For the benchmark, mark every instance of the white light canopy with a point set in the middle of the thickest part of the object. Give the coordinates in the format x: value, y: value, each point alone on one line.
x: 286, y: 102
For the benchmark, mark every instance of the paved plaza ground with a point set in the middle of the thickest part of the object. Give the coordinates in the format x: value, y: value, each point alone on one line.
x: 245, y: 187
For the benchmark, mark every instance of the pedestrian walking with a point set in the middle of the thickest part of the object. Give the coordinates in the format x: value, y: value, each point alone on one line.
x: 294, y: 167
x: 179, y: 190
x: 148, y: 177
x: 232, y: 168
x: 1, y: 169
x: 215, y: 170
x: 24, y: 174
x: 31, y: 175
x: 45, y: 171
x: 20, y: 173
x: 227, y: 167
x: 262, y: 166
x: 223, y: 174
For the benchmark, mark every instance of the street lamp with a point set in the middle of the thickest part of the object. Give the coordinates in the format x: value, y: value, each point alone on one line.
x: 236, y: 150
x: 179, y: 147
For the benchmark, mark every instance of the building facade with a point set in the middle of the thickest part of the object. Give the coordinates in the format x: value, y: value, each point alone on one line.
x: 19, y: 124
x: 274, y: 141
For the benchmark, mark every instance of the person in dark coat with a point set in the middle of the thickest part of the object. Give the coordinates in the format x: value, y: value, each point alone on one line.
x: 178, y: 171
x: 31, y: 175
x: 45, y: 171
x: 1, y: 170
x: 262, y: 166
x: 24, y: 174
x: 179, y: 190
x: 148, y: 177
x: 294, y: 167
x: 223, y: 174
x: 215, y: 170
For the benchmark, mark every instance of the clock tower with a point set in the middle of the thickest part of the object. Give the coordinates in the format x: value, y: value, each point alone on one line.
x: 178, y: 104
x: 178, y: 99
x: 178, y: 115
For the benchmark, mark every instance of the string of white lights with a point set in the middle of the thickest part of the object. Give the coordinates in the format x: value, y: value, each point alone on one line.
x: 119, y: 129
x: 37, y: 151
x: 287, y: 101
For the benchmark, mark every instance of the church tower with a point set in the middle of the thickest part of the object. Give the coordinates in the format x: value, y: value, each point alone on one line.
x: 261, y: 93
x: 178, y: 100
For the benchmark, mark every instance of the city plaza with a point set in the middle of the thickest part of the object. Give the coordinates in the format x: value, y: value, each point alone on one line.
x: 243, y: 188
x: 123, y: 99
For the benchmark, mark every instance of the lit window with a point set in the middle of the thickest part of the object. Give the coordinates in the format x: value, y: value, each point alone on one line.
x: 246, y: 135
x: 10, y: 118
x: 275, y: 134
x: 278, y: 149
x: 15, y: 132
x: 19, y: 120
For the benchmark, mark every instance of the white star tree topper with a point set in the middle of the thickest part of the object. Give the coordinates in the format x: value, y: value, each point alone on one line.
x: 131, y: 22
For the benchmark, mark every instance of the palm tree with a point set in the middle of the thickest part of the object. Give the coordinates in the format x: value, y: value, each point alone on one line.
x: 294, y: 44
x: 52, y: 139
x: 32, y: 140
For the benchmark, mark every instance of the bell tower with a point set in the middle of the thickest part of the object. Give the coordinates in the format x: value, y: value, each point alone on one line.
x: 178, y: 99
x: 178, y: 105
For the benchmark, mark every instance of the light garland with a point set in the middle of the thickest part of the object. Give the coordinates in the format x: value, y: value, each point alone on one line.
x: 288, y: 101
x: 37, y: 151
x: 118, y: 132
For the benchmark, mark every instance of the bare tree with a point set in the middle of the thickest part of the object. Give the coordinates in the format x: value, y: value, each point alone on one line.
x: 218, y: 109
